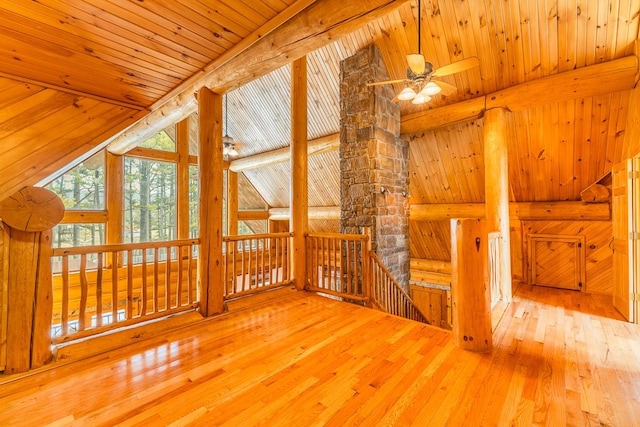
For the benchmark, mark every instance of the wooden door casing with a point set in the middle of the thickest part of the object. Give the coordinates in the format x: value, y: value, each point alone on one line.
x: 622, y: 245
x: 557, y: 261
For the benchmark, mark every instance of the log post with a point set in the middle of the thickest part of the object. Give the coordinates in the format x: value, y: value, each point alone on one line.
x: 299, y: 164
x: 497, y: 190
x: 232, y: 203
x: 182, y: 148
x: 470, y: 288
x: 30, y: 214
x: 210, y: 262
x: 114, y: 173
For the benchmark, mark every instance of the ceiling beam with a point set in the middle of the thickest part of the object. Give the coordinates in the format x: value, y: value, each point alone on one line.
x: 321, y: 145
x: 314, y: 212
x: 599, y: 79
x: 524, y: 211
x: 314, y: 27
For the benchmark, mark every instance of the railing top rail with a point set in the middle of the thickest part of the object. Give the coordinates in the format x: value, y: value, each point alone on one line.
x: 360, y: 237
x: 255, y: 236
x: 123, y: 247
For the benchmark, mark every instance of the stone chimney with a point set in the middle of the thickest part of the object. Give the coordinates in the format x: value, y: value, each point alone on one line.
x: 374, y: 161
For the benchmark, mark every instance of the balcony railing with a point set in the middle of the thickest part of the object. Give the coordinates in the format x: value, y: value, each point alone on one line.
x: 99, y: 288
x: 255, y: 263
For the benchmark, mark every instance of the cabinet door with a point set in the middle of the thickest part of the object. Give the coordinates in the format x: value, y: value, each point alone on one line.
x: 557, y: 261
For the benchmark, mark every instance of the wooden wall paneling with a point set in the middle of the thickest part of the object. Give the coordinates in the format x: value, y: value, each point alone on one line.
x: 621, y: 242
x: 578, y: 138
x: 515, y: 49
x: 565, y: 150
x: 632, y: 134
x: 519, y: 174
x: 484, y: 46
x: 552, y: 150
x: 430, y: 239
x: 567, y: 31
x: 622, y: 130
x: 4, y: 292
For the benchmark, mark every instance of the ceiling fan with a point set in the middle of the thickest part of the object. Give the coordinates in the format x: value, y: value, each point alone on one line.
x: 419, y: 86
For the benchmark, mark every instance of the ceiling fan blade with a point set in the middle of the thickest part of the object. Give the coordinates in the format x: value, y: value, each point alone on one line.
x: 386, y: 82
x: 416, y: 62
x: 457, y: 67
x: 447, y: 89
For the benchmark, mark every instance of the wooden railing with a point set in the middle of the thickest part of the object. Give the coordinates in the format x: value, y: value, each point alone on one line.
x: 337, y: 265
x: 93, y: 294
x: 494, y: 266
x: 387, y: 295
x: 255, y: 263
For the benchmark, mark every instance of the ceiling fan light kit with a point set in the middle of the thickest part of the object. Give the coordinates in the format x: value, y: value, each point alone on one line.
x: 407, y: 94
x: 419, y: 86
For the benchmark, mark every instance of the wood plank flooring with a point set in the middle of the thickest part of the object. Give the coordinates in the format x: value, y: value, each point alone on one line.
x: 560, y: 358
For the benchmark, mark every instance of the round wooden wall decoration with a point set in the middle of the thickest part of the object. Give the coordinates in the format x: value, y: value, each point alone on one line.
x: 32, y: 209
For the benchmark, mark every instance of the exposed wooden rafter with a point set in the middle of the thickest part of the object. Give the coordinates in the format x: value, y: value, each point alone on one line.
x: 317, y: 25
x: 321, y: 145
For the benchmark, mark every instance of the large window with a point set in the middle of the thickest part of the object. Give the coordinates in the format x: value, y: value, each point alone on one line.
x: 83, y: 186
x: 149, y: 201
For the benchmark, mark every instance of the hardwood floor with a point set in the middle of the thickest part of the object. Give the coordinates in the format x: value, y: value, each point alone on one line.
x: 560, y: 358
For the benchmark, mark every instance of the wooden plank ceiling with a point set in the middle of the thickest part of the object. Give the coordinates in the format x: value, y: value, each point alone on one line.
x: 66, y: 62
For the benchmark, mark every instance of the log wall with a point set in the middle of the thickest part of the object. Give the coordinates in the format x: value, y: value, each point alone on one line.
x: 599, y: 256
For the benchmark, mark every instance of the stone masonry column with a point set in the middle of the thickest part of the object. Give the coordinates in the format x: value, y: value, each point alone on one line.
x: 374, y: 161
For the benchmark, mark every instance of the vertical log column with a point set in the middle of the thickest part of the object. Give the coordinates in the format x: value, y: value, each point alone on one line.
x: 496, y: 163
x: 210, y: 160
x: 470, y: 288
x: 182, y: 145
x: 30, y: 214
x: 115, y: 200
x: 232, y: 203
x: 299, y: 189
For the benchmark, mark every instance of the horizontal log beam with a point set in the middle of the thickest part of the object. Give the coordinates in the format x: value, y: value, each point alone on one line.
x: 253, y: 215
x: 279, y: 42
x: 606, y: 77
x: 433, y: 265
x: 84, y: 217
x: 315, y: 212
x: 316, y: 146
x: 524, y: 211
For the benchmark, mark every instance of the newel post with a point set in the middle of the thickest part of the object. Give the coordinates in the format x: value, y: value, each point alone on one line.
x: 470, y: 287
x: 30, y: 213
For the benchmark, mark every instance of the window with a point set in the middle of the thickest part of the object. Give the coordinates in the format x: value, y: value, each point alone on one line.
x: 162, y: 141
x: 150, y: 200
x: 82, y: 188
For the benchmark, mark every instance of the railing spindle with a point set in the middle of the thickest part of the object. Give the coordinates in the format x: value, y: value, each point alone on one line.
x: 65, y: 295
x: 84, y: 291
x: 143, y: 307
x: 129, y: 310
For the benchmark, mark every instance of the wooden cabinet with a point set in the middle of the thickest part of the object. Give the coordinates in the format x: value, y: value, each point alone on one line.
x: 435, y: 303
